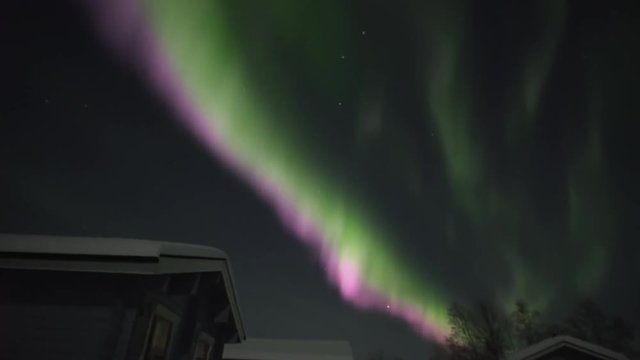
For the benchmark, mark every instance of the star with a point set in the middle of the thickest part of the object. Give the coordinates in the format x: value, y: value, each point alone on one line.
x: 342, y: 57
x: 339, y: 103
x: 364, y: 33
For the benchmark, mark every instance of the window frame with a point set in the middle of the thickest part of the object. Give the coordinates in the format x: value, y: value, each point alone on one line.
x: 173, y: 318
x: 210, y: 340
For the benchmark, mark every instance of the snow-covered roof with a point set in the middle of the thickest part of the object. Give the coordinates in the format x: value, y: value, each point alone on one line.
x: 117, y: 255
x: 68, y: 245
x: 280, y: 349
x: 554, y: 343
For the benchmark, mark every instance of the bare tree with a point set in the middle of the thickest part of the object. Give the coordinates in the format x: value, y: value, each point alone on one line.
x: 484, y: 333
x: 526, y: 326
x: 588, y: 322
x: 478, y: 333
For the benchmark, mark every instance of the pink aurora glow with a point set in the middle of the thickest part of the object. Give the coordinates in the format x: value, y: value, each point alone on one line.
x: 126, y: 32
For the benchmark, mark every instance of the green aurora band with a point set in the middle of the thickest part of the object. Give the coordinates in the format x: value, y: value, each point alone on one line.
x: 225, y: 67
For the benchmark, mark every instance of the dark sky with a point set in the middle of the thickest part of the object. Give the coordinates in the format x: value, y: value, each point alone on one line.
x: 497, y: 171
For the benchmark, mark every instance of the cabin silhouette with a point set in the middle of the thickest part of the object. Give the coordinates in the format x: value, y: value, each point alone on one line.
x: 565, y: 348
x: 119, y: 299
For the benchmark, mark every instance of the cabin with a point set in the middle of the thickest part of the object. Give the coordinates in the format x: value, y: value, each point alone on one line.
x: 118, y: 299
x: 565, y: 348
x: 280, y: 349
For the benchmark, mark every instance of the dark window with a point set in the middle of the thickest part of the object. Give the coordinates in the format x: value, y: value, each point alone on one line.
x: 203, y: 347
x: 159, y: 338
x: 202, y: 350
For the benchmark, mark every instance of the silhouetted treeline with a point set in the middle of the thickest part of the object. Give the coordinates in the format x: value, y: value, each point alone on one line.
x: 484, y: 333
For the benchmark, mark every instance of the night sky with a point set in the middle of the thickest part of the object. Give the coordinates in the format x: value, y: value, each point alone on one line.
x: 363, y: 163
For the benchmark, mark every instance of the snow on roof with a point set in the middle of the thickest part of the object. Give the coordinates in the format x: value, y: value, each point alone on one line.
x: 280, y: 349
x: 167, y: 258
x: 554, y: 343
x: 70, y: 245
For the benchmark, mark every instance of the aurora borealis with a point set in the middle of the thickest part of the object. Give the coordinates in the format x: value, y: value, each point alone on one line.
x: 296, y: 100
x: 209, y: 90
x: 363, y: 163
